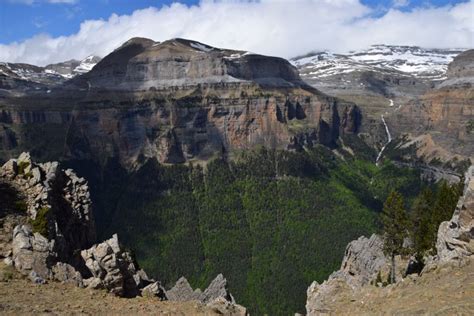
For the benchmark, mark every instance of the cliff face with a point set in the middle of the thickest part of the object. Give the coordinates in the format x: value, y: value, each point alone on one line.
x: 446, y: 113
x: 177, y: 101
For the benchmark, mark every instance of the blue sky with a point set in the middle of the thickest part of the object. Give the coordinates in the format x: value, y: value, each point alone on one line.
x: 22, y: 19
x: 47, y: 31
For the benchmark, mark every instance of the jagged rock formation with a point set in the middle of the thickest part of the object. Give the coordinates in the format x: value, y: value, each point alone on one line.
x: 182, y: 291
x: 364, y: 258
x: 113, y: 269
x: 216, y: 295
x: 456, y: 237
x: 32, y: 253
x: 58, y: 202
x: 176, y: 101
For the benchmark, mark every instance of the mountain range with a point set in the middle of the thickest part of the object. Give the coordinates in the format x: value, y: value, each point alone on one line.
x: 208, y: 160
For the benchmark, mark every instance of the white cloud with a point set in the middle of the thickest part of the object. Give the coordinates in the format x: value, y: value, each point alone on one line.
x: 273, y: 27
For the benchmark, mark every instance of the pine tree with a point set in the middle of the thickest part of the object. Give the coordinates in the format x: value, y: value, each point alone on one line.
x: 395, y: 223
x: 423, y: 231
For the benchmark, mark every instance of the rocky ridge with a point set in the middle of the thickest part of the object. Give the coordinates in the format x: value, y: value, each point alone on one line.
x: 57, y: 244
x: 364, y: 260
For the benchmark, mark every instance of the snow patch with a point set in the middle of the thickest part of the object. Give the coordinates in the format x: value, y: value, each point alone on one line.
x: 201, y: 47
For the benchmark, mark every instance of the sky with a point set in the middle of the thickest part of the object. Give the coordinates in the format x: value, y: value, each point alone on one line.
x: 46, y: 31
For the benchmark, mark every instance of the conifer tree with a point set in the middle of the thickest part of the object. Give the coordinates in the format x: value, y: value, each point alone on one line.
x: 423, y: 232
x: 395, y: 223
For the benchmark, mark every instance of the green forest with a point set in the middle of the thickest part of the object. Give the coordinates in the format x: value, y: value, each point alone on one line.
x: 271, y: 221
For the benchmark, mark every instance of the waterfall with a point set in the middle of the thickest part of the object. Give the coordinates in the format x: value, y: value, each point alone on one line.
x: 388, y: 142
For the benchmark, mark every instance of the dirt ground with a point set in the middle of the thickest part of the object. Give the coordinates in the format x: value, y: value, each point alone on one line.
x: 19, y: 296
x: 448, y: 290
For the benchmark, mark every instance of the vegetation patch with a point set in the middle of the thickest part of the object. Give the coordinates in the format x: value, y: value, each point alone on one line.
x: 40, y: 223
x: 271, y: 221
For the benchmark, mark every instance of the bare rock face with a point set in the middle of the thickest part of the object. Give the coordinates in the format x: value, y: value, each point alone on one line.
x: 66, y: 273
x: 154, y: 290
x: 113, y: 269
x: 182, y: 291
x: 216, y: 296
x: 456, y: 237
x: 217, y: 289
x: 363, y: 259
x: 32, y: 253
x: 140, y: 64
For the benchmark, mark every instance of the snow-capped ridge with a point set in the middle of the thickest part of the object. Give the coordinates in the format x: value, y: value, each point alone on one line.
x: 406, y: 60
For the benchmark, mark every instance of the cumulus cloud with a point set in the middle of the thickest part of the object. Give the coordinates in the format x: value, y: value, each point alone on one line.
x: 272, y: 27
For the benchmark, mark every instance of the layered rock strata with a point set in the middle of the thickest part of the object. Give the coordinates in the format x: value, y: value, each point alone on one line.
x: 175, y: 101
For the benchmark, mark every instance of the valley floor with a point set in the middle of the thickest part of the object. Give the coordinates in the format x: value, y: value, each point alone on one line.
x: 448, y: 290
x: 19, y: 296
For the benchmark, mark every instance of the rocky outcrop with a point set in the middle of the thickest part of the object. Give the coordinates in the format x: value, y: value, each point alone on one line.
x: 363, y: 259
x: 456, y: 237
x: 216, y: 295
x: 32, y: 254
x: 182, y: 291
x: 45, y: 245
x: 114, y: 269
x: 58, y: 202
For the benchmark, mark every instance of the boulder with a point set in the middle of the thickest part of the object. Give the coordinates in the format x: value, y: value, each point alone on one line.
x: 32, y: 252
x: 217, y: 289
x: 363, y: 259
x: 224, y: 307
x: 154, y: 290
x: 66, y: 273
x: 182, y: 291
x: 114, y: 268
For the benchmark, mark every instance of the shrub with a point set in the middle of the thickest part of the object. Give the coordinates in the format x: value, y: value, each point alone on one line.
x: 40, y: 223
x: 22, y: 165
x: 21, y: 206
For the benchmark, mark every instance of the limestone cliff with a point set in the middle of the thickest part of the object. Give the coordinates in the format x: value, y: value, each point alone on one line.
x: 443, y: 117
x: 175, y: 101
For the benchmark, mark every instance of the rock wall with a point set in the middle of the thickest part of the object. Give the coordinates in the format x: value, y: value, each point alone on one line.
x: 456, y: 237
x: 188, y: 128
x: 58, y: 202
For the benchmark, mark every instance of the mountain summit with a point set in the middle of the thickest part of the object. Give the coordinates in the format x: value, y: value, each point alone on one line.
x: 141, y: 64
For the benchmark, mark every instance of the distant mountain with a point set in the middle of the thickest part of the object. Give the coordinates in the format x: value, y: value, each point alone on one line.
x: 401, y: 60
x: 19, y: 76
x: 72, y: 68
